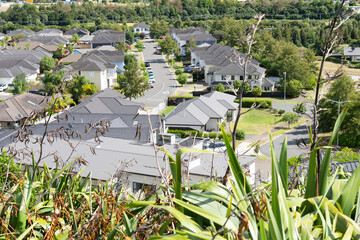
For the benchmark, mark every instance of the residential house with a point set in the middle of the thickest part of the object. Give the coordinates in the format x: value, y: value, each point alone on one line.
x: 16, y: 109
x: 142, y: 28
x: 14, y: 62
x: 50, y: 32
x: 21, y: 32
x: 79, y: 31
x: 218, y: 67
x: 200, y: 35
x: 352, y: 54
x: 71, y: 58
x: 203, y: 113
x: 100, y: 67
x: 46, y: 40
x: 107, y: 37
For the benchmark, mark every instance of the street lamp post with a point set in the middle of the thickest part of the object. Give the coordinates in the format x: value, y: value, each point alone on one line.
x: 284, y: 86
x: 338, y: 102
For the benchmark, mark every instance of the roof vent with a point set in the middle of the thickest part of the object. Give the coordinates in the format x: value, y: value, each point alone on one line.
x: 32, y: 103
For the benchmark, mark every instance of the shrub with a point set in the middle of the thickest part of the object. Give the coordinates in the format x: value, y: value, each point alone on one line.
x: 213, y: 135
x: 182, y: 79
x: 281, y: 112
x: 240, y: 134
x: 290, y: 118
x: 299, y: 108
x: 220, y: 88
x: 220, y: 136
x: 229, y: 136
x: 257, y: 149
x: 206, y: 135
x: 349, y: 140
x: 346, y: 155
x: 200, y: 133
x: 247, y: 103
x: 178, y: 72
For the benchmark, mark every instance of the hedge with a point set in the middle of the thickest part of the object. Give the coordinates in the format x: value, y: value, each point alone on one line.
x: 247, y: 103
x: 185, y: 133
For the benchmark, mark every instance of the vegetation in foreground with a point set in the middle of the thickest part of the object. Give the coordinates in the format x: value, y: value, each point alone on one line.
x: 55, y: 203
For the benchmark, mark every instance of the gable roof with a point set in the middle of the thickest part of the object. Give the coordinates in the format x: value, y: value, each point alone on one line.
x: 18, y: 32
x: 98, y: 60
x: 109, y: 37
x: 198, y: 111
x: 352, y: 51
x: 71, y: 58
x: 52, y: 31
x: 47, y: 40
x: 73, y: 31
x: 21, y: 106
x: 107, y: 101
x: 141, y: 25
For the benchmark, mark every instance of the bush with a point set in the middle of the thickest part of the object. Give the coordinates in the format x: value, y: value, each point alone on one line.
x: 240, y: 134
x: 220, y: 88
x: 349, y: 140
x: 220, y: 136
x: 229, y: 136
x: 290, y: 118
x: 247, y: 103
x: 178, y: 72
x: 213, y: 135
x: 333, y: 59
x: 281, y: 112
x: 206, y: 135
x: 346, y: 155
x: 182, y: 79
x: 200, y: 133
x: 299, y: 108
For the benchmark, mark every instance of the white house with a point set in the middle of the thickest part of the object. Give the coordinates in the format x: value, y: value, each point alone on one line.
x: 352, y: 54
x: 142, y: 28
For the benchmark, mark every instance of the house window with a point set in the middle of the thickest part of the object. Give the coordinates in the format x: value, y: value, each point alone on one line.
x: 223, y: 77
x: 241, y: 77
x: 249, y: 77
x: 90, y: 74
x: 232, y: 78
x: 142, y: 186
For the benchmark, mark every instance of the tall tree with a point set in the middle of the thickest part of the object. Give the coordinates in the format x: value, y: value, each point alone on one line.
x: 20, y: 84
x: 132, y: 84
x: 53, y: 82
x: 168, y: 46
x: 47, y: 63
x: 158, y: 28
x: 80, y: 87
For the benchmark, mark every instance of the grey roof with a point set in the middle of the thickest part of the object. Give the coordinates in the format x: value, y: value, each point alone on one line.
x: 107, y: 101
x: 47, y: 40
x: 52, y: 31
x: 197, y: 36
x: 352, y: 51
x: 141, y: 25
x: 14, y: 62
x: 78, y: 31
x: 104, y: 31
x: 268, y: 83
x: 107, y: 37
x: 198, y: 111
x: 21, y: 106
x: 218, y: 56
x: 18, y: 32
x: 98, y: 60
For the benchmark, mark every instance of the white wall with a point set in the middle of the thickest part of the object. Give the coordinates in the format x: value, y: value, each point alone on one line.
x: 212, y: 124
x: 198, y: 128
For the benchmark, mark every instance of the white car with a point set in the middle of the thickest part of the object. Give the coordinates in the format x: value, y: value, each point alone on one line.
x: 149, y: 69
x: 3, y: 87
x: 152, y: 79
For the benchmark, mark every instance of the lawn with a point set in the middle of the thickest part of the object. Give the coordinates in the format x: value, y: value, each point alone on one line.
x: 258, y: 121
x: 167, y: 110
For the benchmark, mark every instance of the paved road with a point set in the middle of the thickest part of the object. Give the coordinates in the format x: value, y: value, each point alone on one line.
x: 165, y: 84
x: 5, y: 95
x: 5, y: 135
x: 288, y: 106
x: 293, y: 150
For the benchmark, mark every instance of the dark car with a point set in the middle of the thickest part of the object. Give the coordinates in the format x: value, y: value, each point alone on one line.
x: 188, y: 70
x: 147, y: 64
x: 157, y: 52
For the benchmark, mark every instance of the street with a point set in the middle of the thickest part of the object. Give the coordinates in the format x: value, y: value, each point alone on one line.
x: 5, y: 136
x: 293, y: 150
x: 165, y: 84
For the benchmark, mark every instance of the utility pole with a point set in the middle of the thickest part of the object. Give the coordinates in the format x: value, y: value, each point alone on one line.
x: 284, y: 86
x: 338, y: 102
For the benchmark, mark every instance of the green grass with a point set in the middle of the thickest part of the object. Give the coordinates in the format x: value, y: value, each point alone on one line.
x: 258, y: 121
x: 272, y: 99
x: 167, y: 110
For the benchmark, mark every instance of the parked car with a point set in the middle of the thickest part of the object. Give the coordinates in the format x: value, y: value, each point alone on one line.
x: 151, y: 75
x: 147, y: 37
x: 149, y: 69
x: 157, y: 52
x: 10, y: 86
x: 3, y: 87
x: 147, y: 64
x: 152, y: 79
x: 150, y: 84
x: 217, y: 147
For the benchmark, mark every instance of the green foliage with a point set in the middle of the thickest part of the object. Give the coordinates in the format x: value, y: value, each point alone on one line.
x: 247, y: 103
x: 293, y: 88
x: 186, y: 133
x: 237, y: 85
x: 206, y: 135
x: 220, y: 88
x: 121, y: 47
x: 47, y: 63
x: 346, y: 155
x: 182, y: 79
x: 81, y: 87
x: 198, y: 75
x: 129, y: 36
x: 70, y: 48
x: 132, y: 84
x: 53, y: 82
x: 256, y: 91
x: 299, y: 108
x: 8, y: 170
x: 60, y: 51
x: 158, y: 28
x: 139, y: 45
x: 130, y: 60
x: 168, y: 45
x: 240, y: 134
x: 213, y: 135
x: 20, y: 83
x: 178, y: 72
x: 290, y: 118
x: 281, y: 111
x: 74, y: 39
x: 257, y: 149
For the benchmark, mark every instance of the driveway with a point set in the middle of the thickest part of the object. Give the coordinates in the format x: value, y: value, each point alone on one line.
x: 5, y: 95
x: 165, y: 84
x: 5, y: 135
x: 293, y: 150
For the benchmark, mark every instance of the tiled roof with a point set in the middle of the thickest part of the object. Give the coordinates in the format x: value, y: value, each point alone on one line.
x: 141, y: 25
x: 52, y: 31
x: 47, y: 40
x: 18, y: 32
x: 352, y: 51
x: 73, y: 31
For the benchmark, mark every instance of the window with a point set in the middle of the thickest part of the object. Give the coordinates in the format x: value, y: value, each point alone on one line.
x: 90, y: 74
x: 241, y: 77
x: 249, y: 77
x: 232, y: 78
x: 142, y: 186
x: 223, y: 77
x: 135, y: 123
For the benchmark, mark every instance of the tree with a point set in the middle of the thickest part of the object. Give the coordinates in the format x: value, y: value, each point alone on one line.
x: 74, y: 39
x: 132, y: 84
x: 237, y: 85
x: 59, y: 53
x: 299, y: 108
x: 79, y: 87
x: 53, y: 82
x: 182, y: 79
x: 293, y: 88
x: 70, y: 48
x: 290, y: 118
x: 139, y: 45
x: 47, y: 63
x: 220, y: 88
x: 189, y: 45
x: 20, y: 84
x: 256, y: 91
x: 168, y: 46
x: 346, y: 155
x: 121, y: 47
x: 158, y: 28
x: 129, y: 59
x: 129, y: 35
x: 60, y: 103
